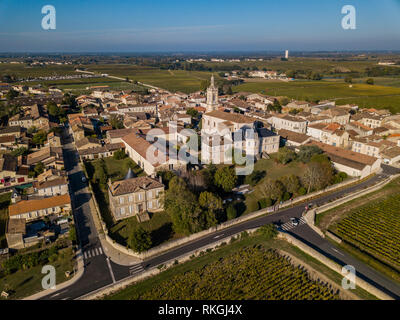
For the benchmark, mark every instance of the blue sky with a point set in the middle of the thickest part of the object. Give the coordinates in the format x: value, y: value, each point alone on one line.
x: 198, y: 25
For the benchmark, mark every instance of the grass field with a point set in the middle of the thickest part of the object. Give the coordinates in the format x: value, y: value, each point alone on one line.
x: 172, y: 80
x: 323, y: 66
x: 4, y: 203
x: 24, y: 283
x: 272, y: 171
x: 362, y: 94
x: 235, y: 271
x: 25, y: 71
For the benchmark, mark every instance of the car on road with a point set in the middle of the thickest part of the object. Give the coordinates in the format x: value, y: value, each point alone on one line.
x: 294, y: 221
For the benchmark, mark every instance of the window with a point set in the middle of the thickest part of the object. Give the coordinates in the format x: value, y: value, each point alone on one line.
x: 130, y: 198
x: 121, y: 200
x: 150, y: 205
x: 140, y: 197
x: 122, y: 211
x: 130, y: 209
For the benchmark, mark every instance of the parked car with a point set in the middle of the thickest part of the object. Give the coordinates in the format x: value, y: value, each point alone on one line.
x: 294, y: 221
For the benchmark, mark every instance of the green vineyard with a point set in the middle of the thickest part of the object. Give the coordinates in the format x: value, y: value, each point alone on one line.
x: 374, y: 229
x: 251, y: 273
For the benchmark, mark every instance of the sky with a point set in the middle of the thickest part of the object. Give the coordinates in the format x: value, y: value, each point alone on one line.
x: 198, y: 25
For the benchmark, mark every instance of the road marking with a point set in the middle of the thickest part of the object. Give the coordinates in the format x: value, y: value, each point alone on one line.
x: 57, y: 294
x: 88, y: 254
x: 216, y: 237
x: 337, y: 251
x: 289, y: 226
x: 85, y: 255
x: 109, y: 267
x: 101, y: 251
x: 135, y: 269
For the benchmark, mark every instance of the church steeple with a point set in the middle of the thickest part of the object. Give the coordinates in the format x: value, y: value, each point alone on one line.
x: 212, y: 96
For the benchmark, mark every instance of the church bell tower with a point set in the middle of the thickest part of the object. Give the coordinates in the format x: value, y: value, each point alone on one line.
x: 212, y: 96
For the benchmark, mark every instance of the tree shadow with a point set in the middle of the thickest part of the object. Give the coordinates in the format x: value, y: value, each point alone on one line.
x: 162, y: 234
x: 25, y: 281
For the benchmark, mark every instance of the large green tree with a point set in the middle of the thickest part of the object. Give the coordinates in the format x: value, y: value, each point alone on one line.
x: 307, y: 152
x: 273, y: 189
x: 40, y: 137
x: 140, y: 240
x: 212, y: 205
x: 291, y: 183
x: 225, y: 178
x: 181, y: 204
x: 285, y: 155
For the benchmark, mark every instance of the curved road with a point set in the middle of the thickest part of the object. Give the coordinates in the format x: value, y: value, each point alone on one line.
x: 100, y: 271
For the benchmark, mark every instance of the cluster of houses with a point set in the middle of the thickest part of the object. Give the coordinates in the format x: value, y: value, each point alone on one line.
x: 154, y: 129
x: 368, y: 132
x: 40, y: 208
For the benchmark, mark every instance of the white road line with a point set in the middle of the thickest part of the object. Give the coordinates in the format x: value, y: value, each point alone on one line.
x: 97, y: 253
x: 84, y: 254
x: 101, y: 251
x: 88, y: 254
x: 109, y: 267
x: 57, y: 294
x: 337, y: 251
x: 216, y: 237
x: 135, y: 268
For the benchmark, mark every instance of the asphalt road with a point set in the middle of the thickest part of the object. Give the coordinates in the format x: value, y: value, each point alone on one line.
x: 100, y: 272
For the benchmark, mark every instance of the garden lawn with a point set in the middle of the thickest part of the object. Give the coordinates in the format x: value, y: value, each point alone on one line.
x: 160, y: 224
x: 272, y: 171
x: 24, y: 283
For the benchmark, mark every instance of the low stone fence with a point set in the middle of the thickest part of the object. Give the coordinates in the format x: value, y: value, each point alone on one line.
x: 333, y: 237
x: 334, y: 266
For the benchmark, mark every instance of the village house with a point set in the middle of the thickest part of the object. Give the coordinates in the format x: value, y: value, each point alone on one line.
x: 99, y: 152
x: 54, y: 187
x: 337, y: 114
x: 151, y: 158
x: 333, y: 134
x: 298, y: 105
x: 134, y: 197
x: 350, y: 162
x: 288, y: 122
x: 36, y: 209
x: 12, y: 171
x: 34, y: 116
x: 360, y: 128
x: 293, y: 139
x: 87, y: 143
x: 15, y: 131
x: 51, y: 157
